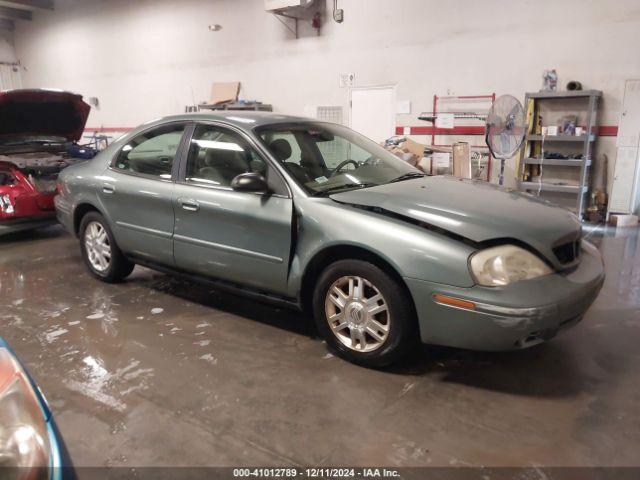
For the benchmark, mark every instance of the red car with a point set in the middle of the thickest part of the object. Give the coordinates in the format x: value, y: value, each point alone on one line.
x: 37, y: 129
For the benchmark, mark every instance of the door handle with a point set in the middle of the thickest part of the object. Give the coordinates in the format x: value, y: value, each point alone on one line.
x: 189, y: 205
x: 109, y: 189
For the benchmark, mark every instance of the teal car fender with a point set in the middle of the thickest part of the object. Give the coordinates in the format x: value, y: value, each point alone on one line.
x: 435, y: 262
x: 417, y: 252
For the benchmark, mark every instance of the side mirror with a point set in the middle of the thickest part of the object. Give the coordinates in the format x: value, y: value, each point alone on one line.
x: 250, y: 182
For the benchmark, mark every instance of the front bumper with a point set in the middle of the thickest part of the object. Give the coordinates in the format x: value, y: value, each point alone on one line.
x: 511, y: 317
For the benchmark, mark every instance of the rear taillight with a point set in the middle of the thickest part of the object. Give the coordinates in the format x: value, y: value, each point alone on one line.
x: 6, y: 205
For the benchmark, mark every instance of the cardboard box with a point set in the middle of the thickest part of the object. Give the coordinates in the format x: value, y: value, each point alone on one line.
x: 225, y: 92
x: 624, y: 220
x: 461, y: 160
x: 413, y: 147
x: 405, y: 155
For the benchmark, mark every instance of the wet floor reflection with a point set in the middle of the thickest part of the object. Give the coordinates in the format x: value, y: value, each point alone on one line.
x: 233, y: 379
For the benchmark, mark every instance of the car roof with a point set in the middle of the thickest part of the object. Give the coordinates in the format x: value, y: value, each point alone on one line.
x: 242, y: 119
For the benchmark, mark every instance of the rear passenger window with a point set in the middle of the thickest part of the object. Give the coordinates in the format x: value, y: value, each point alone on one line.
x: 217, y: 156
x: 151, y: 153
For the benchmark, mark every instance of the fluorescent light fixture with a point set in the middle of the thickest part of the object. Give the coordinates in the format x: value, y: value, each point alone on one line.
x: 241, y: 119
x: 434, y: 218
x: 203, y: 180
x: 352, y: 178
x: 219, y: 145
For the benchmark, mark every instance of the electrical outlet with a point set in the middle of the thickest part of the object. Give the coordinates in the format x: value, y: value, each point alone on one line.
x: 347, y: 80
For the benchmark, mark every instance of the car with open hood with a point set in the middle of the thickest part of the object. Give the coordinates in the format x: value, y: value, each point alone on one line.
x: 315, y: 216
x: 36, y: 130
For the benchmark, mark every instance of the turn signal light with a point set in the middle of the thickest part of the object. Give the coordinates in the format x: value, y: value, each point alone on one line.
x: 454, y: 302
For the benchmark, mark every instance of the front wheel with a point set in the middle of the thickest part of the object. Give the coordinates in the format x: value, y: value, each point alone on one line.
x: 364, y: 314
x: 100, y: 252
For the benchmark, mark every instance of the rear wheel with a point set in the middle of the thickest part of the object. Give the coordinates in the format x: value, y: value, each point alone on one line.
x: 364, y: 313
x: 100, y: 251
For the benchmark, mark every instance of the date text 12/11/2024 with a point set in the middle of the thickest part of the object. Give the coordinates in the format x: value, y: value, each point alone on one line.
x: 316, y: 473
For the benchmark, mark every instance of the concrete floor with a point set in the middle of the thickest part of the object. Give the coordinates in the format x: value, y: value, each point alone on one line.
x: 157, y: 371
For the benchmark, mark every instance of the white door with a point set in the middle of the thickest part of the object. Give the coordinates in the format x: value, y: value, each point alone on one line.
x: 624, y: 181
x: 625, y: 191
x: 10, y: 77
x: 629, y: 129
x: 373, y: 112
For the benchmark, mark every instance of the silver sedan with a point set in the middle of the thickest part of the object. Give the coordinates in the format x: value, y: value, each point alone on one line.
x: 315, y: 216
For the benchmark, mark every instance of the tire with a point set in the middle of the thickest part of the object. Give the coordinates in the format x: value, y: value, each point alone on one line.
x: 118, y: 267
x: 389, y: 333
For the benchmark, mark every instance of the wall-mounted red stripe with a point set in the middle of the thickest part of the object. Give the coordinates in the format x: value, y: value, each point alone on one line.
x: 428, y: 130
x: 108, y: 129
x: 608, y: 130
x: 603, y: 130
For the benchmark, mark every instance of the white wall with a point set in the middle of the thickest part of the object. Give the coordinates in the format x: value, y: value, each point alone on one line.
x: 148, y: 58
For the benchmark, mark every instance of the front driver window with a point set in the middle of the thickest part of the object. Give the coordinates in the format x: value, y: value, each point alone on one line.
x: 325, y: 158
x: 218, y: 155
x: 152, y: 152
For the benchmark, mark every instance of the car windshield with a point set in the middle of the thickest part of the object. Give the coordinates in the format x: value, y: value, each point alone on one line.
x: 326, y: 158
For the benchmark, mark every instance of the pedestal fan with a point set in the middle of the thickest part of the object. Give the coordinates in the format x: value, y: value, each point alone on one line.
x: 505, y: 129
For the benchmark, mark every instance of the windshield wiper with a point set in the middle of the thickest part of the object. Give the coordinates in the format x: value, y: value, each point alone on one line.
x: 408, y: 176
x: 346, y: 186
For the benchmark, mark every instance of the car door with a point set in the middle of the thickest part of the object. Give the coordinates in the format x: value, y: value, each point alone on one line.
x: 241, y: 237
x: 137, y: 189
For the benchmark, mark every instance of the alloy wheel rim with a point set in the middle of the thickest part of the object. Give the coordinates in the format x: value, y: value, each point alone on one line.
x: 357, y: 314
x: 96, y: 242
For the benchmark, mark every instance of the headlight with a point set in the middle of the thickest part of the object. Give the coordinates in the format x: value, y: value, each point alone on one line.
x: 506, y: 264
x: 24, y: 442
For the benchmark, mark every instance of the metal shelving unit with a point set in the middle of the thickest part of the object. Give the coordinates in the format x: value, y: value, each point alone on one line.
x: 561, y: 138
x: 483, y: 160
x: 571, y: 162
x: 553, y: 187
x: 584, y: 142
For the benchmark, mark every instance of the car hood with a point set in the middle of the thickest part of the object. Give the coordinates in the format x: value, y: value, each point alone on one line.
x: 42, y: 113
x: 474, y: 210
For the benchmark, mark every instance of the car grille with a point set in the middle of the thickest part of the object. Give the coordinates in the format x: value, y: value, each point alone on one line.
x: 568, y: 252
